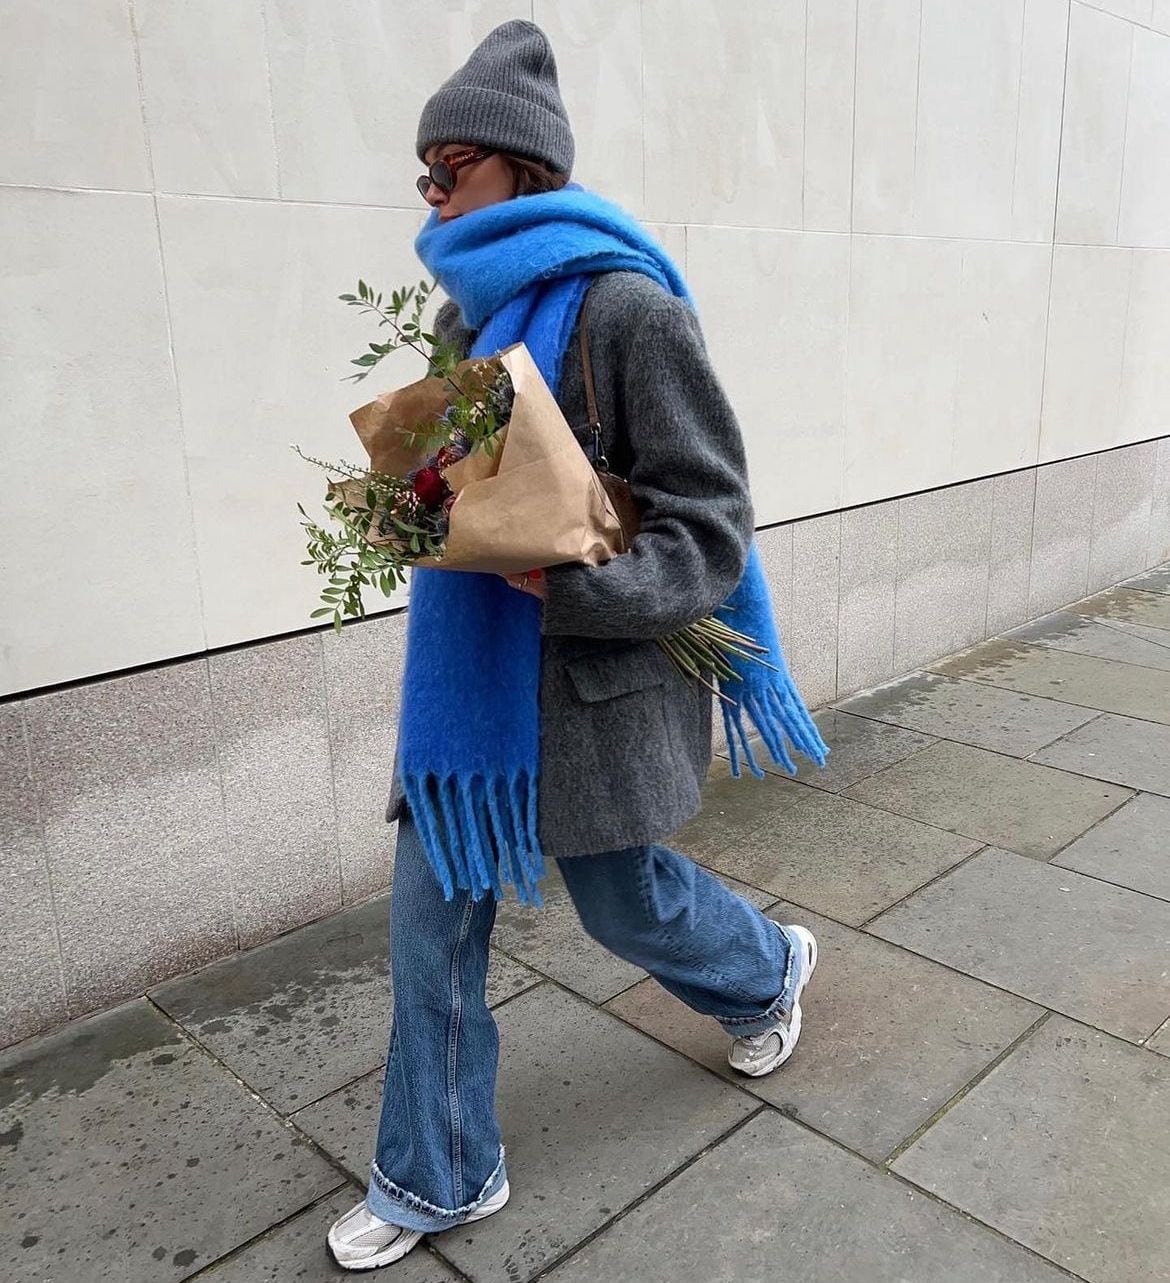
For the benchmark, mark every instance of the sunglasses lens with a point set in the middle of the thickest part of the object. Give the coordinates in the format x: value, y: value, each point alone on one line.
x: 441, y: 174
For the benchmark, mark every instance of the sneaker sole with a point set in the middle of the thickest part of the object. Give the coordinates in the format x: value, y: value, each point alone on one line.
x: 406, y: 1243
x: 809, y: 941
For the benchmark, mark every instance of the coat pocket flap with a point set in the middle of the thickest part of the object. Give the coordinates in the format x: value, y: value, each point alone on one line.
x: 599, y: 677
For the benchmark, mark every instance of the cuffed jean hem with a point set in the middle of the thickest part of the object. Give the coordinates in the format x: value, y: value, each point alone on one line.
x: 400, y: 1207
x: 781, y: 1008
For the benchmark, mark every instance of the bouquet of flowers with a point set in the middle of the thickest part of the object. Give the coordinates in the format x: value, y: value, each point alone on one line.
x: 475, y: 468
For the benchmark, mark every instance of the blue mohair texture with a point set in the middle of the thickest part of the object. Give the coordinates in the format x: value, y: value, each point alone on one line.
x: 469, y: 738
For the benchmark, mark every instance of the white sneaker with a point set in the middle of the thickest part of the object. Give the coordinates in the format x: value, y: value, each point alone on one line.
x: 359, y: 1240
x: 759, y: 1054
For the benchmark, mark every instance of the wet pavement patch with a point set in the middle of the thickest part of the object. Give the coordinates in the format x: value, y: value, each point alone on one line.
x: 99, y: 1182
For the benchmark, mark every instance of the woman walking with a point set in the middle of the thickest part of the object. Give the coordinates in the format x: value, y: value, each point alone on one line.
x: 542, y: 706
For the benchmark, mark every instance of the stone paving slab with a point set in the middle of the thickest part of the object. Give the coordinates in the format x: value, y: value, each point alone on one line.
x: 773, y: 1202
x: 302, y: 1015
x: 552, y: 940
x: 1086, y: 680
x: 593, y: 1113
x: 859, y: 747
x: 1069, y: 942
x: 1131, y: 848
x: 296, y: 1251
x: 1021, y: 806
x: 984, y: 716
x: 888, y: 1037
x: 1156, y: 580
x: 1063, y: 1147
x: 345, y: 1123
x: 135, y: 1156
x: 1160, y: 1042
x: 1124, y: 750
x: 820, y: 850
x: 1131, y: 605
x: 1066, y: 631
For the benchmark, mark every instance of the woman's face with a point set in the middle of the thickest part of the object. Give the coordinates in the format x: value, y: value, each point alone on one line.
x: 483, y: 182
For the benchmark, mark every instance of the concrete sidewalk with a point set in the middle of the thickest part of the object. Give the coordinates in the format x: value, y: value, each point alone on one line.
x: 981, y: 1093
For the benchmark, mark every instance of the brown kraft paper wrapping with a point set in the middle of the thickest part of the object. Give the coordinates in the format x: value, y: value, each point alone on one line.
x: 536, y: 501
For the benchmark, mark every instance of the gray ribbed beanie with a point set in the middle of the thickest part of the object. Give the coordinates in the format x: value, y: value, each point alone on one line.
x: 505, y: 96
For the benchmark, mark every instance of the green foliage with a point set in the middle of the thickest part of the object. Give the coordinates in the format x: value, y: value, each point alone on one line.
x: 440, y: 357
x: 403, y: 529
x: 350, y: 562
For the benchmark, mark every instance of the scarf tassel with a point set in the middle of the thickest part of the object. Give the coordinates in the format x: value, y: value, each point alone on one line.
x: 479, y: 833
x: 778, y: 713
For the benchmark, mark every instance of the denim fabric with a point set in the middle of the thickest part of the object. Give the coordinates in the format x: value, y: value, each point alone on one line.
x: 439, y: 1153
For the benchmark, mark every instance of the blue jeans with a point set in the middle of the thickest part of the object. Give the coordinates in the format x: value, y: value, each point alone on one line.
x: 439, y: 1151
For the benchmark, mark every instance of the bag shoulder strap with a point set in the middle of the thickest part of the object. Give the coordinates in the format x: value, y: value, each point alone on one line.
x: 600, y: 462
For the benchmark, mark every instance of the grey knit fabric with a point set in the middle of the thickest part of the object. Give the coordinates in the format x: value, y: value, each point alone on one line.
x: 505, y: 96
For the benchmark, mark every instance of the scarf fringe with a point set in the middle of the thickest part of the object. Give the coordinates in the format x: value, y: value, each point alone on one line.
x: 479, y: 833
x: 777, y: 712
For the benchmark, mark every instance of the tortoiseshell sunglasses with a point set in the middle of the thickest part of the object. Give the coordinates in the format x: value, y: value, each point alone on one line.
x: 444, y: 173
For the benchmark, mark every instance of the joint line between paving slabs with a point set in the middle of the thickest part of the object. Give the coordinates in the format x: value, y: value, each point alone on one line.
x: 1125, y: 801
x: 878, y: 1167
x: 208, y: 1270
x: 947, y: 1106
x: 646, y: 1195
x: 287, y: 1123
x: 931, y: 738
x: 1150, y: 1037
x: 1053, y: 643
x: 538, y: 979
x: 923, y: 1192
x: 864, y: 926
x: 604, y: 1009
x: 844, y: 795
x: 1071, y: 703
x: 1075, y: 730
x: 881, y: 1169
x: 934, y: 737
x: 430, y: 1245
x: 1112, y: 625
x: 1117, y: 886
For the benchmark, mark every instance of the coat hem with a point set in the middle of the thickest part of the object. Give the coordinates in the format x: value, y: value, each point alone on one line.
x: 644, y: 836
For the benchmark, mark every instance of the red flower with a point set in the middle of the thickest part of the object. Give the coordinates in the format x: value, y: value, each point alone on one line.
x: 447, y: 456
x: 429, y: 487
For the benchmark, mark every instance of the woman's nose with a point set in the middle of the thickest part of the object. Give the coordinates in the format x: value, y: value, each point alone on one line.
x: 435, y: 196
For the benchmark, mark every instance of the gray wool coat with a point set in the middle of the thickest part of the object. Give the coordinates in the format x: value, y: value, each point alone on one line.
x: 625, y: 740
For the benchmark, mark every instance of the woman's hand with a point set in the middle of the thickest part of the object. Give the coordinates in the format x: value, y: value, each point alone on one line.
x: 531, y: 582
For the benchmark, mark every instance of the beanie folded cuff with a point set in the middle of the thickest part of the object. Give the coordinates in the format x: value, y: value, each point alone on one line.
x: 483, y: 117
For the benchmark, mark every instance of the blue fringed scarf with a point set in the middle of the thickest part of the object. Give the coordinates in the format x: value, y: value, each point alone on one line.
x: 469, y: 739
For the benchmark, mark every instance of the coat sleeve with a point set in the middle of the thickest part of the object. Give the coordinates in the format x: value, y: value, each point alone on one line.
x: 689, y: 476
x: 449, y: 327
